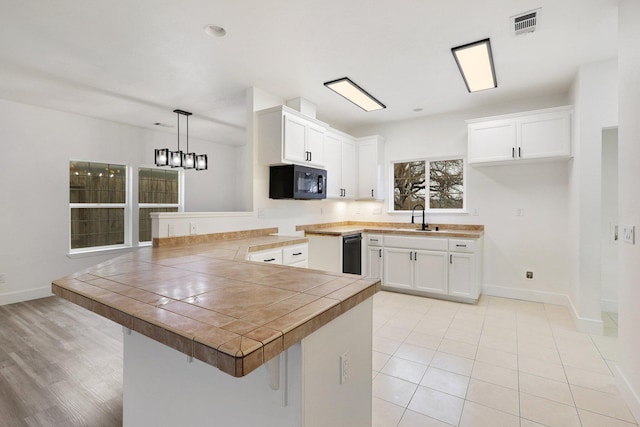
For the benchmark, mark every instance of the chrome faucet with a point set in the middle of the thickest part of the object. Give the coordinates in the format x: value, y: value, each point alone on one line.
x: 413, y: 211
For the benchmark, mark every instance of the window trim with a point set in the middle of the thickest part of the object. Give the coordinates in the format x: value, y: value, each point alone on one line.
x: 127, y: 245
x: 457, y: 211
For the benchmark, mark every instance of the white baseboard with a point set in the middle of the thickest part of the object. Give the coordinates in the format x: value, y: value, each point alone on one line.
x: 585, y: 325
x: 26, y: 295
x: 609, y: 305
x: 628, y: 393
x: 526, y: 295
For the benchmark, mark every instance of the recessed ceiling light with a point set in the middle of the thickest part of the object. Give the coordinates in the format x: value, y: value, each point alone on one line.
x: 215, y: 31
x: 475, y: 62
x: 354, y: 93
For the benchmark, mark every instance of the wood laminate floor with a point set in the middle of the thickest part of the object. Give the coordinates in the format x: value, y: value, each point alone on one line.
x: 60, y: 365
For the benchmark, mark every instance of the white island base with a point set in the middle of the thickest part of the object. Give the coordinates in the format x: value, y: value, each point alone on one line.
x: 303, y: 386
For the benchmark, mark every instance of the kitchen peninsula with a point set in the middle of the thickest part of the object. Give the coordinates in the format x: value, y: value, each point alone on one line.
x: 197, y: 315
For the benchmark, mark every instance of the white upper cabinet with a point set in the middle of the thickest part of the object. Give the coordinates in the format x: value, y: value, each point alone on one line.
x: 286, y: 136
x: 340, y: 162
x: 370, y: 168
x: 532, y: 136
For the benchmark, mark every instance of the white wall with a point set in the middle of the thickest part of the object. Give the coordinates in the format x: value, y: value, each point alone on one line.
x: 513, y: 244
x: 37, y: 145
x: 629, y: 176
x: 595, y: 99
x: 610, y: 276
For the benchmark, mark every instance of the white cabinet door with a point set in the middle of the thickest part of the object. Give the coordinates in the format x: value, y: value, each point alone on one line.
x: 295, y: 130
x: 544, y: 135
x: 333, y: 164
x: 370, y: 161
x: 349, y: 169
x: 398, y: 267
x: 374, y: 262
x: 431, y: 271
x: 462, y: 275
x: 315, y: 145
x: 492, y: 141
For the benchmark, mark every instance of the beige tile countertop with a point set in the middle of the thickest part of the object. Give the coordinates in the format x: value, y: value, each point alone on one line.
x: 350, y: 227
x: 207, y: 301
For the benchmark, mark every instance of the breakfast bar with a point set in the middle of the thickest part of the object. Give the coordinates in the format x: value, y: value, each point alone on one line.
x: 196, y: 315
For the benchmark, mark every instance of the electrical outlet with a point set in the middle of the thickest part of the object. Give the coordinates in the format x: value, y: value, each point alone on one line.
x: 476, y: 211
x: 261, y: 213
x: 520, y: 212
x: 3, y: 279
x: 172, y: 230
x: 529, y: 274
x: 193, y: 228
x: 629, y: 234
x: 344, y: 367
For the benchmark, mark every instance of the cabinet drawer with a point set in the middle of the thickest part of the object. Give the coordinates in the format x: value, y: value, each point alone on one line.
x: 374, y: 240
x: 462, y: 245
x: 425, y: 243
x: 294, y: 254
x: 272, y: 257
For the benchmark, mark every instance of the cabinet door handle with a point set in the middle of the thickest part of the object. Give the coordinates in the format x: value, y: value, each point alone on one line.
x: 373, y: 240
x: 372, y: 192
x: 310, y: 155
x: 410, y: 256
x: 379, y: 253
x: 513, y: 152
x: 519, y: 153
x: 450, y: 259
x: 461, y: 246
x: 297, y: 253
x: 415, y: 256
x: 269, y: 260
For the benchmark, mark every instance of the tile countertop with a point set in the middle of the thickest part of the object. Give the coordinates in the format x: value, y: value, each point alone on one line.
x: 207, y: 301
x: 468, y: 231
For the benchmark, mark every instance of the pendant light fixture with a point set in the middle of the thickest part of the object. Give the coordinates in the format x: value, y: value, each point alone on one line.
x: 179, y: 159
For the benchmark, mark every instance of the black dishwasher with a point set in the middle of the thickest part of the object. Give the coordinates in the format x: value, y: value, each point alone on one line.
x: 351, y: 257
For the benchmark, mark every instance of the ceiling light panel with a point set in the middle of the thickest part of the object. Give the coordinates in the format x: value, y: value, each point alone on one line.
x: 475, y: 62
x: 354, y: 93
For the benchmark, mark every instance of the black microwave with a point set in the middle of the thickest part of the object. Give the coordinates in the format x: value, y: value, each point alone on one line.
x: 297, y: 182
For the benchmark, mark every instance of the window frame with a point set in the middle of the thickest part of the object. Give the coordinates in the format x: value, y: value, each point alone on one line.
x: 138, y: 205
x: 126, y: 206
x: 428, y: 160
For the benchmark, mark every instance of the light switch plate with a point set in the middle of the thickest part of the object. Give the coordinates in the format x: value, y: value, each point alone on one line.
x: 629, y: 234
x: 193, y: 228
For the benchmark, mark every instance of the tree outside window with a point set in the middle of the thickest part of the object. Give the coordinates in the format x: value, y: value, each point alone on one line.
x: 446, y: 184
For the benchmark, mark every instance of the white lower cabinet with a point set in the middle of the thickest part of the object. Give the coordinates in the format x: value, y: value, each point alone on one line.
x: 462, y: 275
x: 431, y: 271
x: 294, y: 256
x: 398, y: 268
x: 431, y: 266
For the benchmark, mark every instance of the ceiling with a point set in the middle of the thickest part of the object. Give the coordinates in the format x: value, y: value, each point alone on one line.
x: 134, y: 62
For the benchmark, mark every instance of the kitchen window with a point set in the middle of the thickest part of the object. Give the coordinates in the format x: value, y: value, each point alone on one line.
x: 98, y: 203
x: 158, y: 191
x: 446, y: 187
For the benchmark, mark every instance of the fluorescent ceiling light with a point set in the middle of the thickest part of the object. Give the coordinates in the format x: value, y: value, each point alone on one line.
x: 354, y: 93
x: 476, y: 65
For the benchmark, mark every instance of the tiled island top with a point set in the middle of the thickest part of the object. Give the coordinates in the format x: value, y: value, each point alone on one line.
x: 207, y: 302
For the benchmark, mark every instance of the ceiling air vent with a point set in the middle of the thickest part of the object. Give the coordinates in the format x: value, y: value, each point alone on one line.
x: 525, y: 22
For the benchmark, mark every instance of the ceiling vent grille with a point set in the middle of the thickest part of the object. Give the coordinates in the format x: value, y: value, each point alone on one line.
x: 525, y: 22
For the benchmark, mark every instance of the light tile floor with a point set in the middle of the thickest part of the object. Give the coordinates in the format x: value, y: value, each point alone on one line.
x: 499, y: 363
